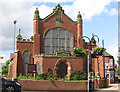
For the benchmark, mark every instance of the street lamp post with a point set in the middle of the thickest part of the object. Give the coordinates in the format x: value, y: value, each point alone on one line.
x: 89, y: 63
x: 88, y: 70
x: 14, y: 49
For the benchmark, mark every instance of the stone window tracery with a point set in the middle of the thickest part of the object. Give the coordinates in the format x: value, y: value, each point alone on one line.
x: 57, y: 39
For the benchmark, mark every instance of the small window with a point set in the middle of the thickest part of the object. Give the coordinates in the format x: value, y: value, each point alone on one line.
x: 111, y: 63
x: 107, y: 76
x: 38, y: 67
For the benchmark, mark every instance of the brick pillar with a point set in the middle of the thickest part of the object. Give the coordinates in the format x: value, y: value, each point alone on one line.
x: 79, y: 34
x: 36, y: 21
x: 36, y: 26
x: 36, y: 38
x: 15, y: 65
x: 36, y: 44
x: 79, y: 31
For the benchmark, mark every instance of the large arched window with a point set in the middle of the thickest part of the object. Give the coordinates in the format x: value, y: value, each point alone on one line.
x: 26, y: 60
x: 56, y: 39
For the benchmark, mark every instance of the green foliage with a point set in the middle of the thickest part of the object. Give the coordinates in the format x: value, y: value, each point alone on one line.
x: 98, y: 50
x: 118, y: 71
x: 29, y: 76
x: 78, y: 75
x: 6, y: 75
x: 79, y: 51
x: 21, y: 76
x: 82, y: 52
x: 5, y: 68
x: 45, y: 76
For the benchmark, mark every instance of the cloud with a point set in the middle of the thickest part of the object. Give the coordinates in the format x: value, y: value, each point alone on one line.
x: 113, y: 49
x: 55, y: 1
x: 41, y: 1
x: 112, y: 11
x: 23, y: 12
x: 88, y: 8
x: 5, y: 58
x: 20, y: 11
x: 44, y: 8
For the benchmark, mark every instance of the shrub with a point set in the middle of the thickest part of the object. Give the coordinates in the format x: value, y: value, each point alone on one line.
x: 118, y: 71
x: 45, y: 76
x: 21, y: 77
x: 78, y: 75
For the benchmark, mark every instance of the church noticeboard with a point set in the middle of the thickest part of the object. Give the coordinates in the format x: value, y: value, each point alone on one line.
x: 31, y: 68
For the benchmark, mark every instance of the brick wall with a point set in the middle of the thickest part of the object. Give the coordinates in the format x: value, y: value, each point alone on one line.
x: 50, y: 62
x: 22, y: 46
x: 10, y: 71
x: 42, y: 85
x: 101, y: 83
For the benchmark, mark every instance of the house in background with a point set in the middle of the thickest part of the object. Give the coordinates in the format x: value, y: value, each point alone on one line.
x: 49, y: 47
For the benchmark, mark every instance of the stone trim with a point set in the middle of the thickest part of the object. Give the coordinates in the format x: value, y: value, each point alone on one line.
x: 56, y: 27
x: 25, y: 41
x: 36, y: 34
x: 58, y: 8
x: 16, y: 51
x: 60, y: 22
x: 67, y: 63
x: 25, y: 50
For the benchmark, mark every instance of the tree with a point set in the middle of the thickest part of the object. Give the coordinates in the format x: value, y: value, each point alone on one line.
x: 5, y: 68
x: 118, y: 71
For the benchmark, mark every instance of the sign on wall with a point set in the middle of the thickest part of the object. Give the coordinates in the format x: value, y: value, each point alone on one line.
x: 31, y: 68
x: 111, y: 63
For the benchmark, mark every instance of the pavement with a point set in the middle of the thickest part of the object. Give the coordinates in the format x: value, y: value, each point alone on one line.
x: 112, y: 88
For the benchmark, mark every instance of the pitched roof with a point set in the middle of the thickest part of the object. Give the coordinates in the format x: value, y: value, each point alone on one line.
x: 58, y: 8
x: 107, y: 54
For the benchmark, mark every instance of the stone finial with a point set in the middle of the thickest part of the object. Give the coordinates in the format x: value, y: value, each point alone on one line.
x: 79, y: 15
x: 58, y: 8
x: 31, y: 38
x: 19, y: 30
x: 79, y: 18
x: 93, y: 41
x: 58, y: 5
x: 19, y: 37
x: 36, y: 14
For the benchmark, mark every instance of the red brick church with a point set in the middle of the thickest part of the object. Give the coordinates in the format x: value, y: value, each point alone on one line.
x: 49, y: 47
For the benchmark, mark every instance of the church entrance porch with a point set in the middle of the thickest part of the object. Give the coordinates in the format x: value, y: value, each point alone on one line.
x: 57, y: 65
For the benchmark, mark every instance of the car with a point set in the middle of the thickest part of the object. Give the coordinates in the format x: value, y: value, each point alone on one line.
x: 9, y: 86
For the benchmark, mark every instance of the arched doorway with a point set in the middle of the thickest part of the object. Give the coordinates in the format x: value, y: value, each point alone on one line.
x: 62, y: 70
x: 63, y: 67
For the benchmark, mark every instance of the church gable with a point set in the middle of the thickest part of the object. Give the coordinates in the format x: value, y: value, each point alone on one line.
x: 59, y: 16
x: 67, y: 19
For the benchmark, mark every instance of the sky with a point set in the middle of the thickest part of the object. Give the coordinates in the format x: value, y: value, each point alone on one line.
x: 99, y: 17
